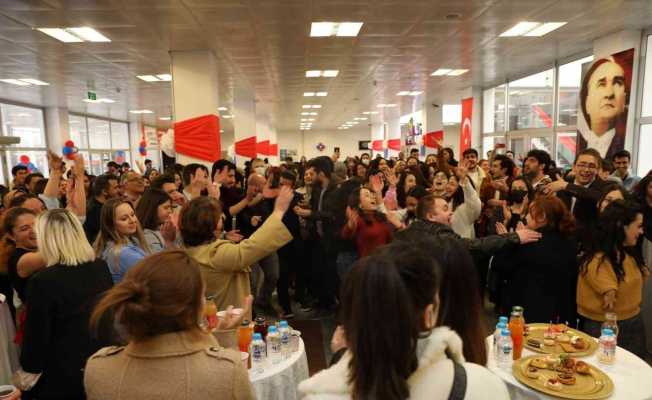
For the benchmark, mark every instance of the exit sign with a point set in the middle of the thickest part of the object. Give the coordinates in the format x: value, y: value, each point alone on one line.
x: 92, y: 96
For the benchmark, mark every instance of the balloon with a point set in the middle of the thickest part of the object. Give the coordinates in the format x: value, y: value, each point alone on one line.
x: 24, y: 159
x: 67, y: 150
x: 69, y: 143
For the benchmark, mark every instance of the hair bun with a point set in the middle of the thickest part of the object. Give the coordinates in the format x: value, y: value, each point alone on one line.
x: 139, y: 298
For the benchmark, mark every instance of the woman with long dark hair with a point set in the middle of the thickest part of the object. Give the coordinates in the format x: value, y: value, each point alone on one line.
x: 612, y: 274
x: 464, y: 201
x: 365, y: 225
x: 154, y: 212
x: 541, y: 276
x: 643, y: 192
x: 396, y: 351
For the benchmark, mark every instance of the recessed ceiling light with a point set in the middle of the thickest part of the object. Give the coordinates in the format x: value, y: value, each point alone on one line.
x: 311, y: 106
x: 168, y: 118
x: 321, y: 94
x: 308, y: 94
x: 222, y: 109
x: 141, y: 111
x: 221, y: 130
x: 409, y: 93
x: 325, y: 29
x: 75, y: 35
x: 331, y: 73
x: 532, y: 29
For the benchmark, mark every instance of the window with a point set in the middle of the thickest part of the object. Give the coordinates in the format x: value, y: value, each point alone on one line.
x: 452, y: 114
x: 78, y: 131
x: 570, y: 80
x: 494, y: 110
x: 119, y: 135
x: 26, y: 123
x: 644, y: 146
x: 530, y: 101
x: 98, y: 134
x: 566, y: 143
x: 647, y: 85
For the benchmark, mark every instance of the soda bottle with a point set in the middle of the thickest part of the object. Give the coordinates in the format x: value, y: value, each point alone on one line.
x: 517, y: 328
x: 257, y: 353
x: 274, y: 345
x: 261, y: 326
x: 607, y: 347
x: 505, y: 349
x: 284, y: 332
x: 245, y: 333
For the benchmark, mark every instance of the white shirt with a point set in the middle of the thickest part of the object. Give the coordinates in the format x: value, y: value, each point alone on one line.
x: 600, y: 143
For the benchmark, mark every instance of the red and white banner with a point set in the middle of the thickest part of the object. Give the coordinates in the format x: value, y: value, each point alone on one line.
x: 466, y: 134
x: 204, y: 130
x: 433, y: 140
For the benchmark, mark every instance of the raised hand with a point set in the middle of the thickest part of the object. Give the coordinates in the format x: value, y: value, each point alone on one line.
x: 558, y: 185
x: 500, y: 228
x: 234, y: 236
x: 526, y: 235
x: 234, y: 317
x: 283, y: 200
x: 55, y: 162
x: 391, y: 178
x: 376, y: 183
x: 169, y: 231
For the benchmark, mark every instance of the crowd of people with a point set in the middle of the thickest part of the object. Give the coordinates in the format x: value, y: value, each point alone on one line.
x: 106, y: 277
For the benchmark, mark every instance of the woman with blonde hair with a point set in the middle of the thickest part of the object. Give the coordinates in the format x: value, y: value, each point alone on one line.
x: 120, y: 242
x: 60, y: 298
x: 159, y: 304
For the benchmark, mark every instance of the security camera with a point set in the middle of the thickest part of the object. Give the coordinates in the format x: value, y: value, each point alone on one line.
x: 435, y: 105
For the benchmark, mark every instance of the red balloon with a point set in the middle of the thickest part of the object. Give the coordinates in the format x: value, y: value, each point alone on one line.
x: 69, y: 143
x: 24, y: 159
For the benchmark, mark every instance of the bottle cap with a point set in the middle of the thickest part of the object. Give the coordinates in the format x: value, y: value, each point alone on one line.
x: 607, y: 332
x: 245, y: 323
x: 260, y: 319
x: 505, y: 332
x: 501, y: 325
x: 257, y: 336
x: 283, y: 324
x: 272, y: 329
x: 503, y: 319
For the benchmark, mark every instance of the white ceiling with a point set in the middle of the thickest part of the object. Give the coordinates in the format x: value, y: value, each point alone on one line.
x: 265, y: 44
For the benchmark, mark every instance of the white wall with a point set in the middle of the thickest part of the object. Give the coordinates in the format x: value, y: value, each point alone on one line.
x: 306, y: 143
x: 452, y: 138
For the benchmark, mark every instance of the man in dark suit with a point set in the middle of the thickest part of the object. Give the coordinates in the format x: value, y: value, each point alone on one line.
x: 582, y: 195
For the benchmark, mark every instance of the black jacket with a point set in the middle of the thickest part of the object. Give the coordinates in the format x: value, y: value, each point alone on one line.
x: 92, y: 222
x: 541, y: 277
x: 57, y: 338
x: 586, y: 205
x: 485, y: 246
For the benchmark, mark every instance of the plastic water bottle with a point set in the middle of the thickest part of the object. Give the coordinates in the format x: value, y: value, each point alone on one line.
x: 505, y: 349
x: 274, y: 345
x: 258, y: 353
x: 499, y: 329
x: 284, y: 332
x: 607, y: 347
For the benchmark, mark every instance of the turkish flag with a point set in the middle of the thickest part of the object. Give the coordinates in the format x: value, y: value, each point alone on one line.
x: 394, y: 144
x: 263, y: 147
x: 246, y: 147
x: 377, y: 145
x: 465, y: 134
x: 433, y: 140
x: 198, y: 137
x: 273, y: 150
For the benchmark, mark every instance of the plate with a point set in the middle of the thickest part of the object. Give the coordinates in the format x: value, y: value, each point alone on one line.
x: 596, y: 385
x: 536, y: 332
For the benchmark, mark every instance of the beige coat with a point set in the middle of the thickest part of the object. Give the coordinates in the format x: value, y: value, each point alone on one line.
x: 175, y: 366
x: 225, y: 266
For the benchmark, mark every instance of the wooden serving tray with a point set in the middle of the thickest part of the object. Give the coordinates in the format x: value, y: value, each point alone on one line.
x: 536, y: 332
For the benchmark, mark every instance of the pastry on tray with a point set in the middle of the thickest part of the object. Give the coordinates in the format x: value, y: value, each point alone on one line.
x: 534, y: 343
x: 582, y: 368
x: 566, y: 379
x: 532, y: 372
x: 554, y: 384
x: 540, y: 363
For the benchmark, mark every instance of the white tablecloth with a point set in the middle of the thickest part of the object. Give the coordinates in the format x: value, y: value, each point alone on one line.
x: 280, y: 381
x: 9, y: 361
x: 632, y: 377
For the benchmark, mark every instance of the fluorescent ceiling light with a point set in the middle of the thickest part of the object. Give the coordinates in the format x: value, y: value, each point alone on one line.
x: 370, y: 112
x: 360, y: 119
x: 164, y: 77
x: 441, y: 71
x: 409, y: 93
x: 141, y: 112
x: 304, y: 119
x: 75, y: 35
x: 321, y: 94
x: 88, y: 34
x: 312, y: 113
x: 310, y: 119
x: 457, y: 72
x: 222, y: 109
x: 15, y: 82
x: 35, y: 82
x: 415, y: 93
x: 305, y: 113
x: 403, y: 93
x: 313, y: 74
x: 311, y: 106
x: 227, y: 116
x: 532, y: 29
x: 545, y: 28
x: 386, y: 105
x: 330, y: 73
x: 308, y: 94
x: 316, y: 106
x: 168, y: 118
x: 102, y: 100
x: 61, y: 35
x: 148, y: 78
x: 342, y: 29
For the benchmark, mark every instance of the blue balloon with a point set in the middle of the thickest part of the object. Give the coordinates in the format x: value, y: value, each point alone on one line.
x: 67, y: 150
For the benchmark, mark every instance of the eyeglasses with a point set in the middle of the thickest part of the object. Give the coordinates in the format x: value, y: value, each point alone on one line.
x: 586, y: 166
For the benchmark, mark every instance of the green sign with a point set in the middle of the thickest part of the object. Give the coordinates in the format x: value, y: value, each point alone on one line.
x: 92, y: 96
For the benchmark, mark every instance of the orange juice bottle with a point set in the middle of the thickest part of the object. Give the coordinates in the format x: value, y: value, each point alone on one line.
x: 210, y: 313
x: 245, y: 334
x: 517, y: 328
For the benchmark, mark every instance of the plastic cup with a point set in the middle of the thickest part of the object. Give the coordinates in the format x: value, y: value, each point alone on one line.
x: 7, y: 391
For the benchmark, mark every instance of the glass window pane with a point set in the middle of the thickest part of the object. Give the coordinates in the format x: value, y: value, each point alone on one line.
x: 36, y: 160
x: 570, y: 80
x: 119, y: 135
x: 541, y: 143
x: 96, y: 166
x: 566, y: 142
x: 78, y: 131
x: 494, y: 110
x: 25, y: 123
x: 647, y: 85
x: 98, y: 134
x: 517, y: 146
x: 530, y: 101
x: 645, y: 150
x: 452, y: 114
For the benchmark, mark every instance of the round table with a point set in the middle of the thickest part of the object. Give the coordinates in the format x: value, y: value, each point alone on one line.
x: 632, y: 377
x: 280, y: 381
x: 9, y: 361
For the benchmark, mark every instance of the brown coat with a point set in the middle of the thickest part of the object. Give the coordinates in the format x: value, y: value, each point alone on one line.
x: 179, y: 366
x: 225, y: 266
